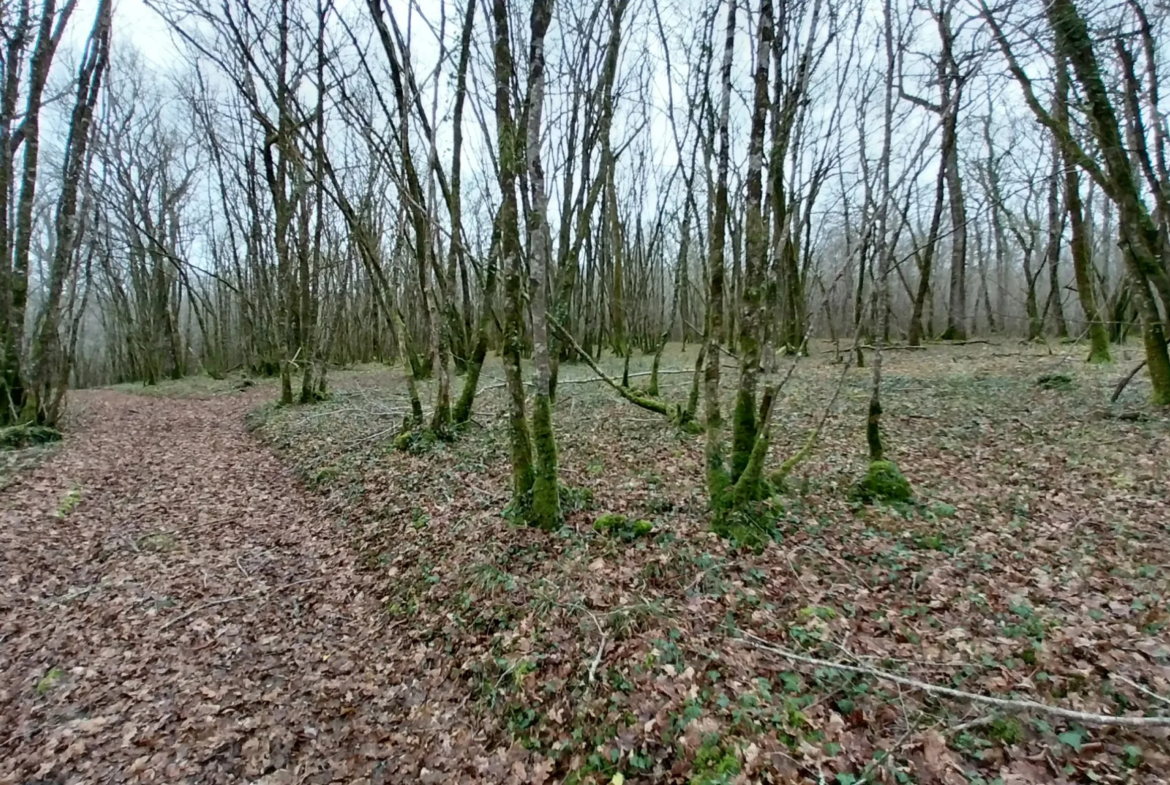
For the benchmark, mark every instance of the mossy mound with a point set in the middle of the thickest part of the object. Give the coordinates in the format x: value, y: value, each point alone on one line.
x: 883, y: 482
x: 624, y: 528
x: 17, y: 437
x: 1055, y: 381
x: 418, y: 441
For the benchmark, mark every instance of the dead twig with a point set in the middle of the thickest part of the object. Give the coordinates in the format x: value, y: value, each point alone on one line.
x: 1003, y: 703
x: 1121, y: 385
x: 1140, y: 688
x: 597, y: 659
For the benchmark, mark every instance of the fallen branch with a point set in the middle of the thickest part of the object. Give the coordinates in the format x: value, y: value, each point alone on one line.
x: 780, y: 475
x: 237, y: 598
x: 895, y: 347
x: 595, y: 380
x: 1140, y: 688
x: 646, y: 403
x: 596, y: 660
x: 1121, y: 385
x: 970, y: 342
x: 1002, y: 703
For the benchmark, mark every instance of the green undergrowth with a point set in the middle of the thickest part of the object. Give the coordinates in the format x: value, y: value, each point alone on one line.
x: 22, y: 447
x: 197, y: 386
x: 19, y: 437
x: 608, y: 653
x: 418, y: 441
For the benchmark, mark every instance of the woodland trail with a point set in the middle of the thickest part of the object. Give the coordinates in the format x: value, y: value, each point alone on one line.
x: 174, y: 608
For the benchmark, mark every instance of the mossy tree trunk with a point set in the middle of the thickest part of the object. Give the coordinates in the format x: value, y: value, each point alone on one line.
x: 1055, y: 229
x: 462, y: 411
x: 1138, y: 231
x: 745, y: 430
x: 511, y: 150
x: 679, y: 282
x: 885, y: 250
x: 717, y: 476
x: 1115, y: 173
x: 1082, y: 253
x: 20, y: 24
x: 545, y: 510
x: 926, y: 259
x: 44, y: 401
x: 613, y: 224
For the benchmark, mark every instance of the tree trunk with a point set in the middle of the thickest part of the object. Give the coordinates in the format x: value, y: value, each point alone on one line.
x: 510, y: 163
x: 717, y: 477
x: 1079, y: 244
x: 545, y: 511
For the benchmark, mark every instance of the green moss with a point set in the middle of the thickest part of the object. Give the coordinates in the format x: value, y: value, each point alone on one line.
x: 714, y: 766
x: 1099, y: 353
x: 883, y: 482
x: 418, y: 441
x: 324, y: 476
x: 609, y: 521
x: 743, y: 436
x: 624, y: 528
x: 17, y: 437
x: 545, y: 510
x: 1006, y: 731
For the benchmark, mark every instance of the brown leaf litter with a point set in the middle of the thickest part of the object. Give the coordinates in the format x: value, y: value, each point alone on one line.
x: 173, y: 608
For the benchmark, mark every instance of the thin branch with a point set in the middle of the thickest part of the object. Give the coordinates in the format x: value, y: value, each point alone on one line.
x: 1006, y: 704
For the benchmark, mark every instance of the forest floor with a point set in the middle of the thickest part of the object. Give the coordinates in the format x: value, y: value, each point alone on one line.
x: 176, y: 604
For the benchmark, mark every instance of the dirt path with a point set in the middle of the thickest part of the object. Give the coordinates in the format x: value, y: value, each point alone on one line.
x: 174, y: 608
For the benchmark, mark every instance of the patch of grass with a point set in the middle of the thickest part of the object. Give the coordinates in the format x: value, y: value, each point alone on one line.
x: 260, y: 416
x: 1006, y: 730
x: 69, y: 501
x: 575, y: 499
x: 50, y: 680
x: 194, y: 386
x: 324, y: 476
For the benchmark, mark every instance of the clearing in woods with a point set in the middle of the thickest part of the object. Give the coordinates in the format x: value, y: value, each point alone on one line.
x: 175, y: 605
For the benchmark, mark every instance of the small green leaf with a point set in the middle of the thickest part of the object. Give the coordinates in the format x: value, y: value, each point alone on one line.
x: 1072, y: 738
